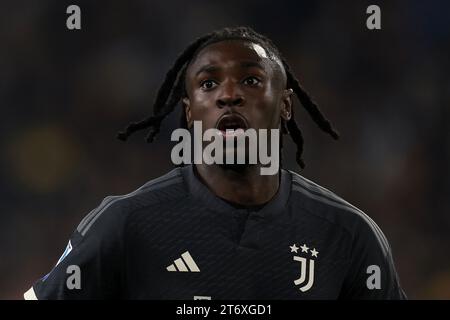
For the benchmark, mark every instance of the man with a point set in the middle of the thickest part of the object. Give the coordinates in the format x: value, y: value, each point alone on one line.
x: 225, y: 231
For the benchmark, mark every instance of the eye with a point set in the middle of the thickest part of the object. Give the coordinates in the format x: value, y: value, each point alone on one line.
x: 252, y: 81
x: 208, y: 84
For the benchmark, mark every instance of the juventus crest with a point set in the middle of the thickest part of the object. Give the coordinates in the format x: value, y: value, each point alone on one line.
x: 306, y: 279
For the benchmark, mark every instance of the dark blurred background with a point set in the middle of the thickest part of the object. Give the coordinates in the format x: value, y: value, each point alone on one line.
x: 64, y: 95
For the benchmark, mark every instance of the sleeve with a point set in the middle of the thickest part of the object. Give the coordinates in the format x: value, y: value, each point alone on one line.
x: 91, y: 265
x: 371, y: 274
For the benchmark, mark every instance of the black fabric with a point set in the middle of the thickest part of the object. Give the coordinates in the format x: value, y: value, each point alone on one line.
x: 126, y: 247
x: 239, y: 206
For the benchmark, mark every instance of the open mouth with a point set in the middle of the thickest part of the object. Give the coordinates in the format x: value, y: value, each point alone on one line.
x: 231, y: 121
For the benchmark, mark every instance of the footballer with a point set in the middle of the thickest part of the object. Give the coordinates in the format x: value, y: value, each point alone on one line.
x: 226, y: 231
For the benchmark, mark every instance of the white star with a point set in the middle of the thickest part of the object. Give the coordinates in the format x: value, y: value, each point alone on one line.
x: 294, y: 248
x: 314, y: 253
x: 304, y: 248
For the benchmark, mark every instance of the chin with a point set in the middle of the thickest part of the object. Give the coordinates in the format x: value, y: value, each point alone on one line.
x: 236, y: 167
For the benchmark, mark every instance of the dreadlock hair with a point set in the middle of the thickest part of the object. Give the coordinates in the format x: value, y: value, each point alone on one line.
x: 173, y: 89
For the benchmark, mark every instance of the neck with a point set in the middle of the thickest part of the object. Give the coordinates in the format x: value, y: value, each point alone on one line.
x: 245, y: 186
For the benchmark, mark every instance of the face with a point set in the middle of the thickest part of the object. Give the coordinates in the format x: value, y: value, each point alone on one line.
x: 234, y: 85
x: 236, y: 77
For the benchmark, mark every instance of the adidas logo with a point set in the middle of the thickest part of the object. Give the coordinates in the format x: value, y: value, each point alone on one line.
x: 184, y: 264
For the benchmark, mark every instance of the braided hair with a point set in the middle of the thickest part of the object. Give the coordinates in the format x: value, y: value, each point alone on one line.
x: 172, y: 89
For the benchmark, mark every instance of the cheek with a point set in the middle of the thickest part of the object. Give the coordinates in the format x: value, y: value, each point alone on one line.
x: 269, y: 109
x: 274, y: 119
x: 201, y: 110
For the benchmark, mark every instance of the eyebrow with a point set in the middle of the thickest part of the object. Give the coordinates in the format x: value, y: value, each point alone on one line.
x: 210, y: 68
x: 252, y: 64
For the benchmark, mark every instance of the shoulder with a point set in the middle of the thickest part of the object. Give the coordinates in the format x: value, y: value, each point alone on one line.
x: 114, y: 210
x: 324, y: 204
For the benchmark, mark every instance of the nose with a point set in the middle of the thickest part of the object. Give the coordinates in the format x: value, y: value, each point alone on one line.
x: 230, y: 97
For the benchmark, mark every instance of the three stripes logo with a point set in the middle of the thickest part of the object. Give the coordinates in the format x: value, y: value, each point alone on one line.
x: 184, y: 264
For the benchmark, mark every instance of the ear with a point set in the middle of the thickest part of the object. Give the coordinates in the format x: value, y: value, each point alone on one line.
x: 187, y: 111
x: 286, y: 104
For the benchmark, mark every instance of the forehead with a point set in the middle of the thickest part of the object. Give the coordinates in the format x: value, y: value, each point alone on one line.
x: 232, y: 52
